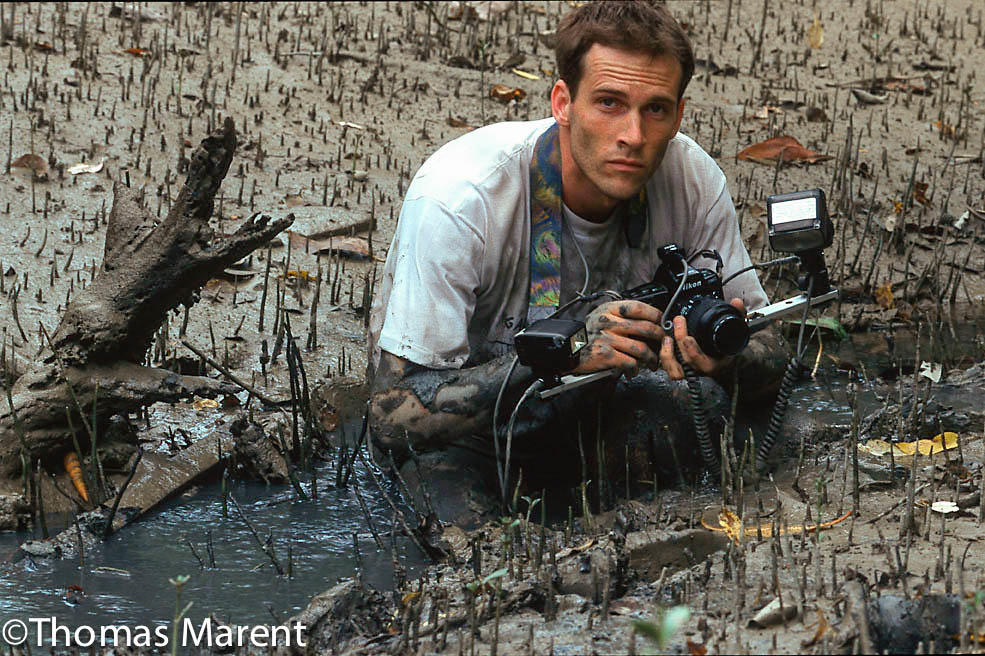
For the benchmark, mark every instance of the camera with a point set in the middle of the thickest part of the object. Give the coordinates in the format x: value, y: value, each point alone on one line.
x: 695, y: 294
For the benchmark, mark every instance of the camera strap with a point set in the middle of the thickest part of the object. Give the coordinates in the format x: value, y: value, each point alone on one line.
x: 545, y: 225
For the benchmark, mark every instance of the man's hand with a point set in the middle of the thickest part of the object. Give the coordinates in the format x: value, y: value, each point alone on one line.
x: 691, y: 353
x: 620, y: 335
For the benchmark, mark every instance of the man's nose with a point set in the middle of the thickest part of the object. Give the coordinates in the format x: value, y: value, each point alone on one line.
x: 632, y: 131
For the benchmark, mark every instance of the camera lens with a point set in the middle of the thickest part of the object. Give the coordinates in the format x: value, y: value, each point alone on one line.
x: 719, y: 328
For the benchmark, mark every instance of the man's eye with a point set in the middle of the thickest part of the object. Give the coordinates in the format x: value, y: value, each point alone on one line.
x: 657, y: 109
x: 607, y: 102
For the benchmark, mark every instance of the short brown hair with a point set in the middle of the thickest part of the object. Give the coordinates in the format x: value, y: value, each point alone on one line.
x: 636, y: 25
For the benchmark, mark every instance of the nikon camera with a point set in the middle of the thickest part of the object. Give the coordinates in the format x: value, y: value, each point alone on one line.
x: 719, y: 328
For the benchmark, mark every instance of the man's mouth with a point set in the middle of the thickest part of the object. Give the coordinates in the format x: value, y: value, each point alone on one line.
x: 626, y: 164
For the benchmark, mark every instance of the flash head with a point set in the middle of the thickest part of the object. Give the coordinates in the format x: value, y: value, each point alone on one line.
x: 799, y: 221
x: 550, y: 346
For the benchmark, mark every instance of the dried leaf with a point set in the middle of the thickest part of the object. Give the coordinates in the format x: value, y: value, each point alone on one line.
x: 783, y: 148
x: 732, y: 525
x: 945, y: 129
x: 771, y: 614
x: 409, y: 597
x: 904, y: 450
x: 357, y: 247
x: 525, y: 75
x: 815, y: 34
x: 74, y: 470
x: 347, y: 124
x: 570, y: 550
x: 696, y: 649
x: 822, y: 628
x: 457, y: 123
x: 90, y: 167
x: 31, y: 161
x: 867, y: 98
x: 504, y: 94
x: 765, y: 111
x: 884, y: 296
x: 204, y: 405
x: 920, y: 193
x: 931, y: 371
x: 138, y: 52
x: 944, y: 507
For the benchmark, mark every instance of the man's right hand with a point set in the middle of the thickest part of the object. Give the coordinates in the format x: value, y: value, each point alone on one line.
x: 620, y: 335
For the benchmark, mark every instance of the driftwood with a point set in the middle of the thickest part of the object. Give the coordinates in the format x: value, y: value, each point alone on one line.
x: 149, y: 268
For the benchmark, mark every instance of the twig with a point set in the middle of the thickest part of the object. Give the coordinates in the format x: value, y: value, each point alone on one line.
x: 230, y: 375
x: 116, y: 502
x: 256, y: 536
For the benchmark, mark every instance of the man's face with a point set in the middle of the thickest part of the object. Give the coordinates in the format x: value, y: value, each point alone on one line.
x: 615, y: 132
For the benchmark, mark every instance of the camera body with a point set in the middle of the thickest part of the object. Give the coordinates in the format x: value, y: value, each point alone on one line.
x: 719, y: 328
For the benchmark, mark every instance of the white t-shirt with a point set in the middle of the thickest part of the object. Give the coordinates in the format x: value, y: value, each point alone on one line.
x: 456, y: 283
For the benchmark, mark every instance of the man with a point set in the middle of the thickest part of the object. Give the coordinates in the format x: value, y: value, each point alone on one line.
x: 606, y: 181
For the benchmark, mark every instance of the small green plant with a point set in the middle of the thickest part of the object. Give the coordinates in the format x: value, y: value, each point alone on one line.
x: 178, y: 582
x: 668, y: 623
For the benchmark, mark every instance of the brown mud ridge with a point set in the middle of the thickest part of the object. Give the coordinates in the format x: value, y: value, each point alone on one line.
x: 335, y: 105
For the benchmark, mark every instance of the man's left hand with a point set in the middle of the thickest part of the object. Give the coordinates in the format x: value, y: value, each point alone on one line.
x: 691, y: 353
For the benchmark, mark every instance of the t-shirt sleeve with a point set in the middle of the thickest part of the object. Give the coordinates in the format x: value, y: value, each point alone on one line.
x: 723, y: 232
x: 437, y: 255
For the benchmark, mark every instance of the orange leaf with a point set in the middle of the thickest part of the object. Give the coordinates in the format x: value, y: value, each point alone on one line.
x: 74, y: 469
x: 784, y: 149
x: 696, y: 649
x: 504, y: 94
x: 139, y: 52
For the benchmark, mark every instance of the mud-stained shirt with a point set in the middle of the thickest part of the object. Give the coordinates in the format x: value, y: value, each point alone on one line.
x: 456, y: 282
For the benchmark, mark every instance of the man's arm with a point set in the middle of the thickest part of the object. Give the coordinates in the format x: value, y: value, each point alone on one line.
x: 433, y: 407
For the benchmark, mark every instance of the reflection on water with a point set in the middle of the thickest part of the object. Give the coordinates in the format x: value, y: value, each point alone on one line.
x: 125, y: 579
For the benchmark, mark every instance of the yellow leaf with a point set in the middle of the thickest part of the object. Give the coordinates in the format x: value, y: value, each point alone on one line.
x: 926, y: 447
x: 732, y: 525
x: 205, y: 404
x: 525, y: 75
x: 875, y: 447
x: 947, y: 440
x: 884, y: 296
x: 409, y: 597
x: 815, y: 34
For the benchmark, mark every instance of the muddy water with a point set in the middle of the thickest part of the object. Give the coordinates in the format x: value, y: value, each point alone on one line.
x: 128, y: 576
x: 126, y: 579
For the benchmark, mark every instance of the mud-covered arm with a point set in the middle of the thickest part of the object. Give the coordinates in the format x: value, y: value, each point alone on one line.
x: 434, y: 407
x: 760, y: 365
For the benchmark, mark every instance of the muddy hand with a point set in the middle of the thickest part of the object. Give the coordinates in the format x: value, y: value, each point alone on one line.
x: 690, y: 352
x: 619, y: 337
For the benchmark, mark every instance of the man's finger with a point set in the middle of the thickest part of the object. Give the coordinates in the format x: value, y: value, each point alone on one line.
x: 691, y: 352
x: 668, y: 361
x: 739, y: 305
x: 630, y: 309
x: 637, y: 328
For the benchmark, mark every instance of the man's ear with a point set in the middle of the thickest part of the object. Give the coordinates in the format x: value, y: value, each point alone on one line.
x: 560, y: 102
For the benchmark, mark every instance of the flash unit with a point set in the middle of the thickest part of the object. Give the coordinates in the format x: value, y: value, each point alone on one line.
x: 550, y: 346
x: 799, y: 221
